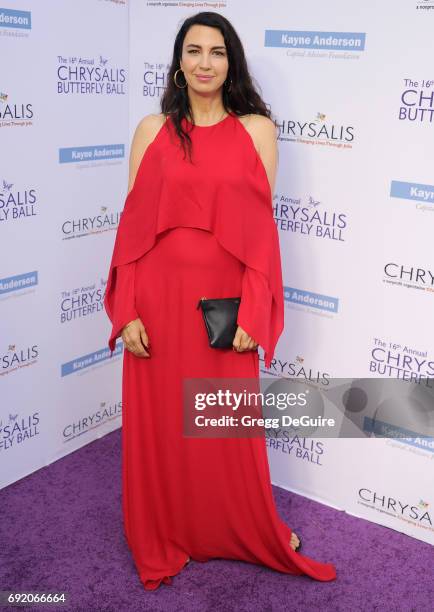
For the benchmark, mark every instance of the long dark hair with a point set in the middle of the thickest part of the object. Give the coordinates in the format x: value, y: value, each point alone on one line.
x: 240, y: 96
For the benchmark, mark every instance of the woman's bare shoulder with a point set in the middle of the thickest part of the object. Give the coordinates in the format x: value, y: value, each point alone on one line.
x: 145, y: 132
x: 258, y: 123
x: 256, y: 119
x: 148, y: 126
x: 262, y: 129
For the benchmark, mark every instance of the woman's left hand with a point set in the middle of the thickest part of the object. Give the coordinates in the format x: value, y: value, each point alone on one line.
x: 243, y: 342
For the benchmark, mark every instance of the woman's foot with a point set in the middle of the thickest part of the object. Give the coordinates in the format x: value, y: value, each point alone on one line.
x: 295, y: 542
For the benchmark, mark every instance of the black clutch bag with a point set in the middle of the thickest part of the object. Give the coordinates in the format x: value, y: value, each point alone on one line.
x: 220, y: 316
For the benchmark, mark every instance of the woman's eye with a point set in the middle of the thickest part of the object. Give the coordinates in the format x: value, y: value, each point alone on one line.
x: 196, y: 51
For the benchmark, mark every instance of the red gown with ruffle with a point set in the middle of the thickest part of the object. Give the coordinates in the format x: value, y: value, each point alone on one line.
x: 190, y: 230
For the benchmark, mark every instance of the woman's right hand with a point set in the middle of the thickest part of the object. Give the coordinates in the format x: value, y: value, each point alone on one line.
x: 136, y: 339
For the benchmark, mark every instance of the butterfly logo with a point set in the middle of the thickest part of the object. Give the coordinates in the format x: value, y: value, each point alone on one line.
x: 423, y: 504
x: 312, y: 202
x: 3, y: 97
x: 103, y: 208
x: 11, y: 347
x: 7, y: 186
x: 12, y: 417
x: 320, y: 116
x: 102, y: 61
x: 102, y: 404
x: 299, y: 359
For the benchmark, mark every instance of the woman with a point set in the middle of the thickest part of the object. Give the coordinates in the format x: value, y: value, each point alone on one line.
x: 198, y: 222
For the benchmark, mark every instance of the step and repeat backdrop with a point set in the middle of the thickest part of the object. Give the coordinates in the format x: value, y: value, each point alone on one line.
x: 352, y: 89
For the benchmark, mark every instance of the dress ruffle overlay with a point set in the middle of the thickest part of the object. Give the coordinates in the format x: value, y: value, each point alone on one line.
x: 188, y: 231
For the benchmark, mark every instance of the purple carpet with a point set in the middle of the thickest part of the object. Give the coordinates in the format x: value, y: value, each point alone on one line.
x: 62, y: 530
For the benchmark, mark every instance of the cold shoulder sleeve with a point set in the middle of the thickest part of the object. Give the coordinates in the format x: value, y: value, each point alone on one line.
x: 261, y: 311
x: 120, y: 305
x: 232, y: 200
x: 255, y: 311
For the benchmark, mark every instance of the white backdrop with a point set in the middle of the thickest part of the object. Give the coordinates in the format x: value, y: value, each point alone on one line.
x: 352, y: 88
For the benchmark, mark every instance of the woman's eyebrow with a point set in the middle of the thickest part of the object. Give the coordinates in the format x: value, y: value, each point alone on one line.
x: 215, y: 47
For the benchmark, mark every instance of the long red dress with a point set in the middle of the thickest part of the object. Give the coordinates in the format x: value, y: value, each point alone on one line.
x: 188, y: 231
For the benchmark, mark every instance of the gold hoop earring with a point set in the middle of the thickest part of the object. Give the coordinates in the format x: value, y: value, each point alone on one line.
x: 174, y: 78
